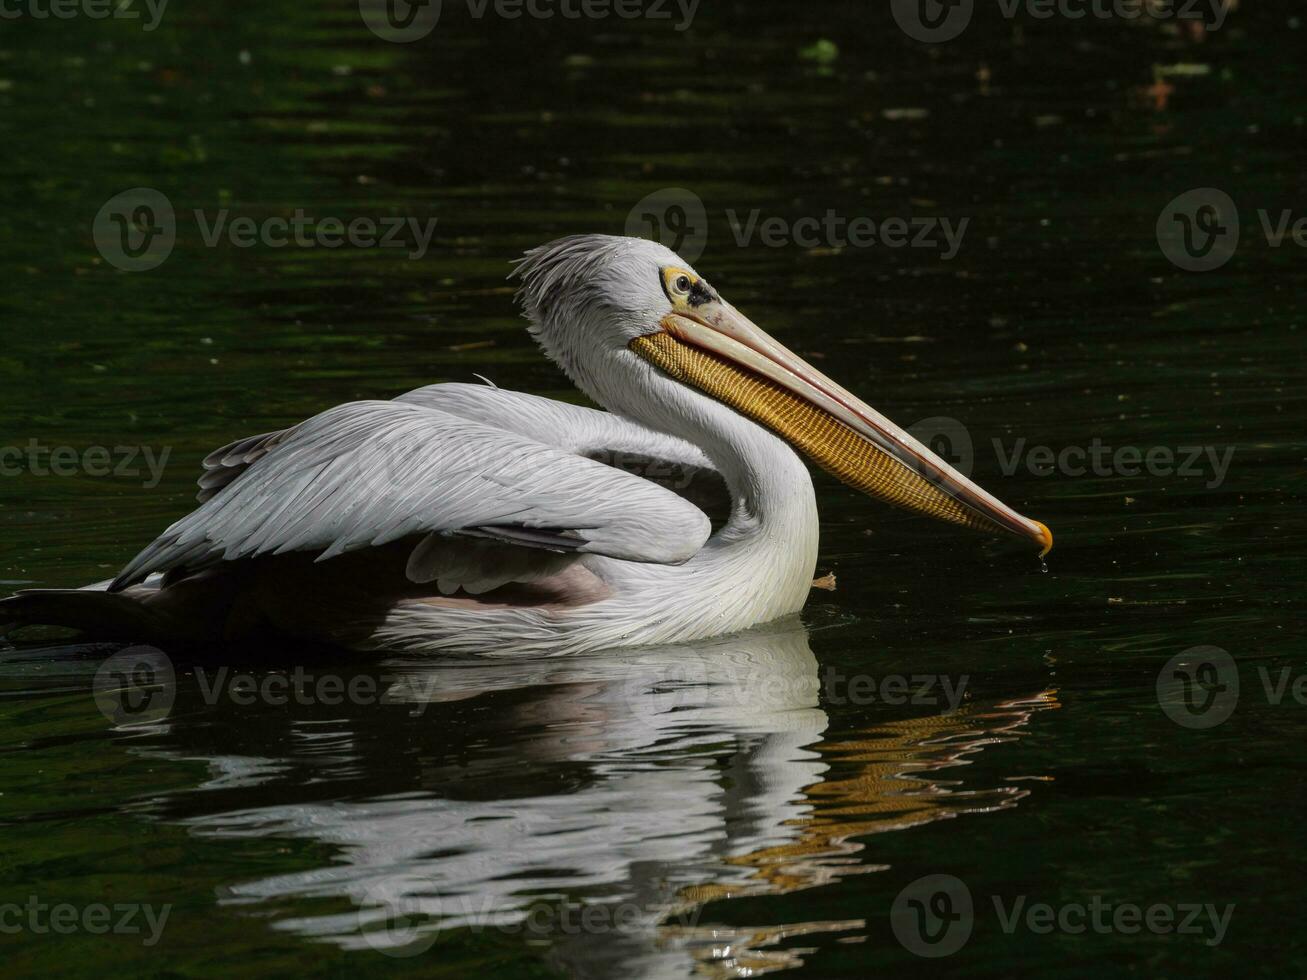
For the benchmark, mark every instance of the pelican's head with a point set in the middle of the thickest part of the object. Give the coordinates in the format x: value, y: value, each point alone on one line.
x: 600, y: 305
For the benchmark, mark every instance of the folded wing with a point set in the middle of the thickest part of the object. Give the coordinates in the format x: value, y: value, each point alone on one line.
x: 607, y: 438
x: 366, y: 474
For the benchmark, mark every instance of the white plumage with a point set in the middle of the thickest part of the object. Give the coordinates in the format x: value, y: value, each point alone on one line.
x: 465, y: 518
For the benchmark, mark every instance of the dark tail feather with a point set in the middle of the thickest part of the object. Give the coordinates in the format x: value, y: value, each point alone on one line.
x: 101, y: 615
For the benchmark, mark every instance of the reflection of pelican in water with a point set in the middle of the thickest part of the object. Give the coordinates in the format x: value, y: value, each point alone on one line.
x: 689, y: 775
x: 467, y: 518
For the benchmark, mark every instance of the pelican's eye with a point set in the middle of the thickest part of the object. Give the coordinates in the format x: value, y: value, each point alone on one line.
x: 678, y: 284
x: 686, y: 290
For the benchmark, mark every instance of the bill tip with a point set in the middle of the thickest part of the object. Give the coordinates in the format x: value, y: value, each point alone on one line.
x: 1045, y: 538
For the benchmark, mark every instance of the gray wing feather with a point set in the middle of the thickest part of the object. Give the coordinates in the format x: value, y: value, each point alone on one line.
x: 664, y: 459
x: 575, y: 427
x: 368, y: 473
x: 224, y: 465
x: 586, y: 431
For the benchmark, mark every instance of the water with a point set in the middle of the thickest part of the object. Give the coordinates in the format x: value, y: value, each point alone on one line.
x: 758, y: 802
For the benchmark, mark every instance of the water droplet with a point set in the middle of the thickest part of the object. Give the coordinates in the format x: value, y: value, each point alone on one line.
x: 1043, y: 565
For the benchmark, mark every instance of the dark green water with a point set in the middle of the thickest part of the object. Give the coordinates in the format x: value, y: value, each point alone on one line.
x: 743, y: 805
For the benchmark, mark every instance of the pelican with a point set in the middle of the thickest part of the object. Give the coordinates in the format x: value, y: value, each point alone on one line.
x: 464, y: 518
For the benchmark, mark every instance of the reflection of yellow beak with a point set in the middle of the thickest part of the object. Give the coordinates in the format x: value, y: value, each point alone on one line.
x: 718, y: 350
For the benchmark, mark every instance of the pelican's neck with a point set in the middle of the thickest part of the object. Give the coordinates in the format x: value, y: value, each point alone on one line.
x: 771, y: 491
x: 756, y: 568
x: 760, y: 565
x: 770, y: 485
x: 762, y: 560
